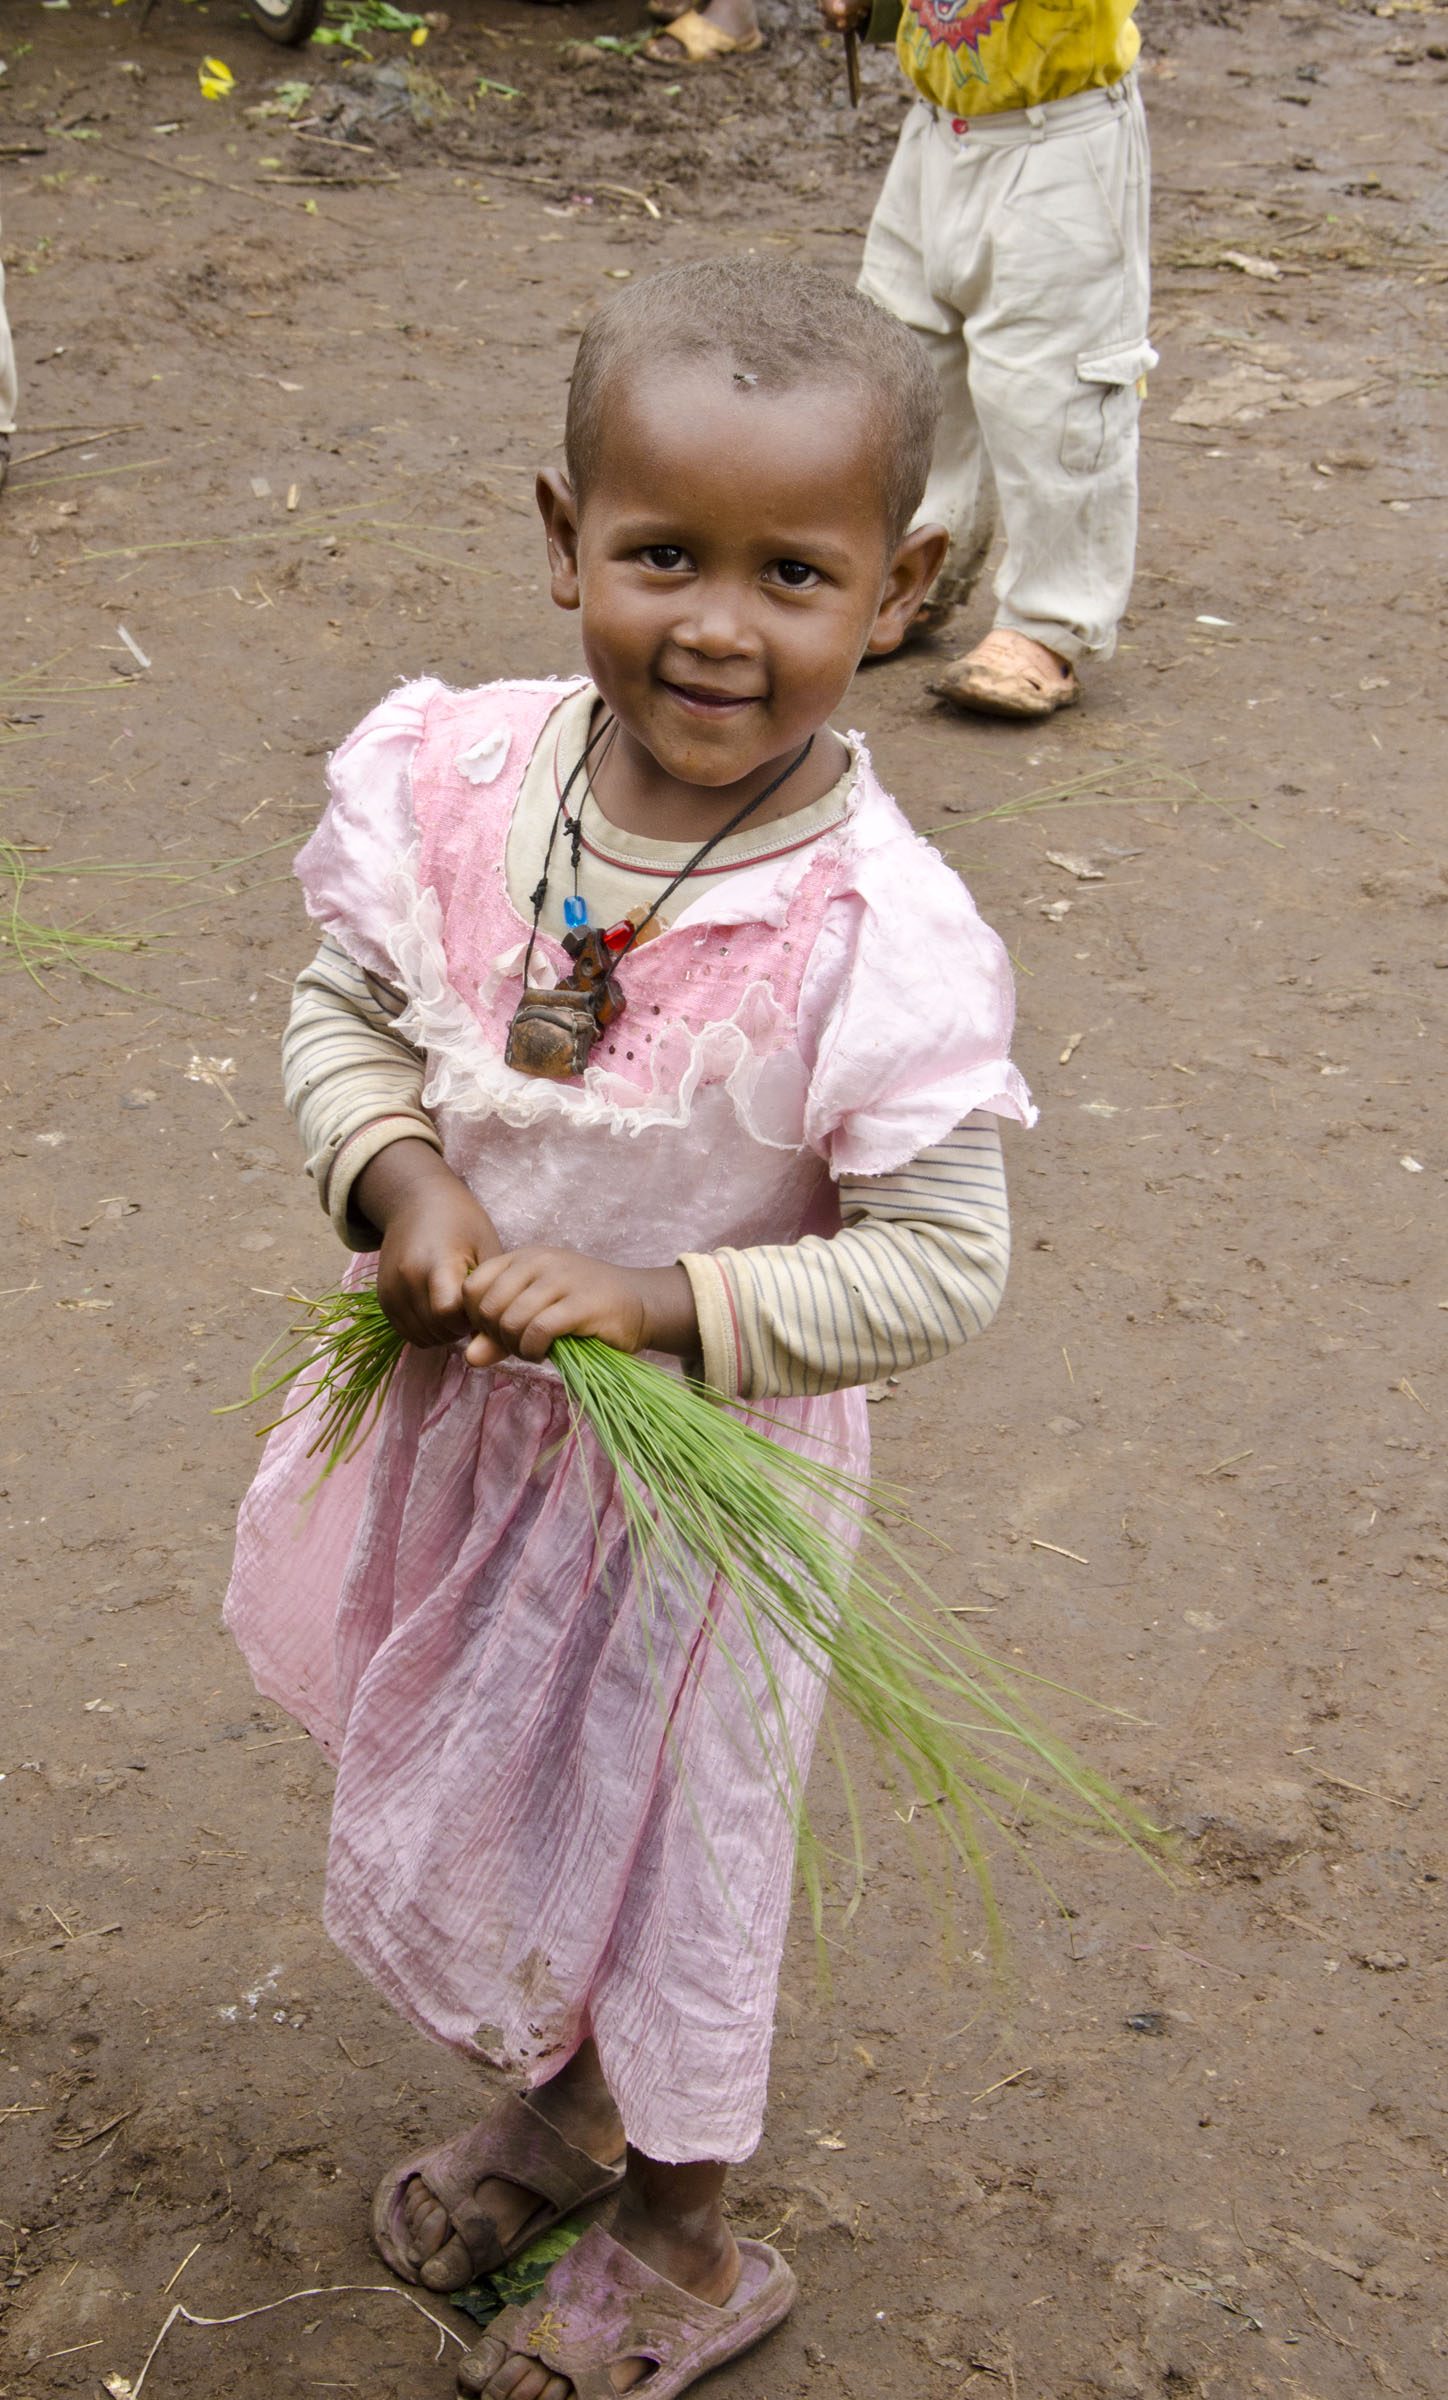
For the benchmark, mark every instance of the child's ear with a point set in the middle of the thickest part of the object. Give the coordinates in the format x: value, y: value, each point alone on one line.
x: 911, y: 572
x: 559, y: 511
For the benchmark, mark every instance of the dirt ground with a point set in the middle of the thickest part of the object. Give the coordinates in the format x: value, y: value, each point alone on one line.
x: 1200, y: 2147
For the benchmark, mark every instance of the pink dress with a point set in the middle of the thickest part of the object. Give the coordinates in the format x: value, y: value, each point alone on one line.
x: 555, y: 1815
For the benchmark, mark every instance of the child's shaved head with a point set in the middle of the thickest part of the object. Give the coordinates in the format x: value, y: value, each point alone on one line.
x: 772, y: 326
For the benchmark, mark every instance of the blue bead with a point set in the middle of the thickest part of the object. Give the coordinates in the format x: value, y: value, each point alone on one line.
x: 575, y: 911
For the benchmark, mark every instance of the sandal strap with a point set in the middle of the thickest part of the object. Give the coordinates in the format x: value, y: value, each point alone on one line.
x: 519, y: 2146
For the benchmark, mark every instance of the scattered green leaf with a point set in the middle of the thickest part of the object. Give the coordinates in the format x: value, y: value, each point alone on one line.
x: 516, y: 2283
x: 348, y: 20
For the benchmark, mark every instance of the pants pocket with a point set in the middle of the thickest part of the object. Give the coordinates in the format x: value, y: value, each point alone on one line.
x: 1102, y: 412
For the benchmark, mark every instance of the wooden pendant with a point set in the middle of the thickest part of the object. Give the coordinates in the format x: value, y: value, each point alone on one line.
x: 553, y: 1033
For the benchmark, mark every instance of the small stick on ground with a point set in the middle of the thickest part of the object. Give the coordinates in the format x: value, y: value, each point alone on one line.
x: 1343, y: 1785
x: 180, y: 2271
x: 166, y: 166
x: 625, y: 191
x: 79, y: 441
x: 999, y: 2087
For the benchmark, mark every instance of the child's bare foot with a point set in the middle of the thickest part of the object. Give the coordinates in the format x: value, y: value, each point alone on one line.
x: 579, y: 2106
x: 671, y: 2218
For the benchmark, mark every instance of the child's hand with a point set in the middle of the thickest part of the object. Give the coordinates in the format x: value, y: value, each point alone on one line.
x: 522, y: 1300
x: 434, y: 1233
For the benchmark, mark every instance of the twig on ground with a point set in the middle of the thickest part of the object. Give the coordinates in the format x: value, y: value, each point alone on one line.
x: 93, y: 1933
x: 1364, y: 1789
x: 180, y: 2271
x: 346, y: 183
x: 625, y: 191
x: 1196, y: 1959
x: 77, y: 442
x: 1305, y: 2296
x: 999, y: 2087
x: 168, y: 166
x: 1325, y: 2258
x: 82, y: 2141
x: 1195, y: 2280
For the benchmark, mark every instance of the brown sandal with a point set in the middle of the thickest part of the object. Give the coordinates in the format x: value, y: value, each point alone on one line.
x: 699, y: 41
x: 1003, y: 677
x: 601, y: 2308
x: 516, y: 2145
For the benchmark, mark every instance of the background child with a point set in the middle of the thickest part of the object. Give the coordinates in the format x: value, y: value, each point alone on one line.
x: 1012, y: 233
x: 559, y: 1840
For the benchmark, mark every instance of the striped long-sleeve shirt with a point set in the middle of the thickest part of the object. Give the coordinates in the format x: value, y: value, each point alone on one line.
x: 916, y: 1269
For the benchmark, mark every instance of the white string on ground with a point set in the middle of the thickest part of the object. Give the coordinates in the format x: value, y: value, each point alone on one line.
x: 328, y: 2291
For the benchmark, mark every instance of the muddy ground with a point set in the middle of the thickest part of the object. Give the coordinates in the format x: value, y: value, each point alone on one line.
x: 1200, y: 2149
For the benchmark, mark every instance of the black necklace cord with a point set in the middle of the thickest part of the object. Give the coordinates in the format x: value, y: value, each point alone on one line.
x: 575, y: 822
x: 539, y: 892
x: 693, y: 865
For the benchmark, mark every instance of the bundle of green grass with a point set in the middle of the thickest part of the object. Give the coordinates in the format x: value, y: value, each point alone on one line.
x: 806, y: 1560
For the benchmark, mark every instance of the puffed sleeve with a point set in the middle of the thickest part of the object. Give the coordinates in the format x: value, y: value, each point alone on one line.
x: 348, y: 869
x: 906, y: 1014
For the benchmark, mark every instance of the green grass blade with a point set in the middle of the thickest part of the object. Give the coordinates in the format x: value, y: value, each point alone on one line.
x: 793, y: 1563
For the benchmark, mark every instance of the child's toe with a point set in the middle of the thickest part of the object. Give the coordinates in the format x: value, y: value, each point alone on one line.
x: 478, y: 2367
x: 517, y: 2377
x: 426, y: 2219
x: 522, y: 2379
x: 447, y: 2269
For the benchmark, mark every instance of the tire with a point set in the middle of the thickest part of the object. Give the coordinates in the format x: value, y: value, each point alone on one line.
x: 287, y: 20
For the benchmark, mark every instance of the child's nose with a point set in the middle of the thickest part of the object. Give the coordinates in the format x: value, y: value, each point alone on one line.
x: 718, y: 621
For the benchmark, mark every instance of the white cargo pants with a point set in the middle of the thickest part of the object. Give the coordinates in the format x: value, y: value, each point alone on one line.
x: 9, y: 392
x: 1017, y: 246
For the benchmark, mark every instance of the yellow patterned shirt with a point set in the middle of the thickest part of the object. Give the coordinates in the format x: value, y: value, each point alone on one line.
x: 973, y: 57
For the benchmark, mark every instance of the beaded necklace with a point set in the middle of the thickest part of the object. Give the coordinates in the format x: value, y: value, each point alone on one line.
x: 553, y: 1032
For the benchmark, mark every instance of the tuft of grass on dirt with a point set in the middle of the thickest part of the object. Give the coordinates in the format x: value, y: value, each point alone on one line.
x: 38, y: 945
x: 1096, y: 788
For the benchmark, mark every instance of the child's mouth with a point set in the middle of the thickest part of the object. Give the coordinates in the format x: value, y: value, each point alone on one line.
x: 702, y: 701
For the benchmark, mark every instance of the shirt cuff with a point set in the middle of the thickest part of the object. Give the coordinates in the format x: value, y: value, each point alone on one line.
x: 357, y: 1152
x: 718, y: 1323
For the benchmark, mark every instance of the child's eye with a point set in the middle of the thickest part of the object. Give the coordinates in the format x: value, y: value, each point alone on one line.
x: 794, y: 574
x: 665, y: 557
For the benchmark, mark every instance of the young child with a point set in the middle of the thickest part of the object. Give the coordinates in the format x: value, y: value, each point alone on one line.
x: 640, y: 1011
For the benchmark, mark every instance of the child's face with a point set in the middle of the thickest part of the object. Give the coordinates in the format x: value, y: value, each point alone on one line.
x: 732, y: 564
